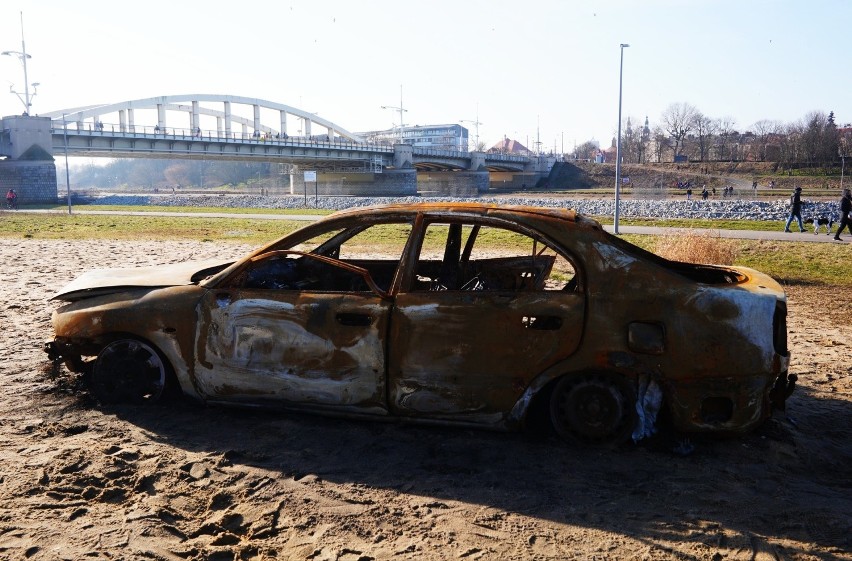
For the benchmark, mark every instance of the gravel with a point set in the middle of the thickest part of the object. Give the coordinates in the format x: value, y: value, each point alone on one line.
x: 645, y: 208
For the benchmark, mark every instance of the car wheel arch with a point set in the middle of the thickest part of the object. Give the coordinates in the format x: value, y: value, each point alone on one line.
x: 122, y: 350
x: 534, y: 408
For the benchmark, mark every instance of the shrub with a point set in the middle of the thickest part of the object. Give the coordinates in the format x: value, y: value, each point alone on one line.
x: 691, y: 246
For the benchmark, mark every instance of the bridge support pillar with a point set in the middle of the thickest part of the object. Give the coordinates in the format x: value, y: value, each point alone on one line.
x: 452, y: 183
x: 477, y: 161
x: 403, y: 156
x: 29, y: 167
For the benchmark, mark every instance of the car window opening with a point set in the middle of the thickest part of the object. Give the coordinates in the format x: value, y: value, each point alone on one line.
x: 493, y: 259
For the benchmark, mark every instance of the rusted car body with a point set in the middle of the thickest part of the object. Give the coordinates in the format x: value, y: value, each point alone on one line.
x: 446, y: 313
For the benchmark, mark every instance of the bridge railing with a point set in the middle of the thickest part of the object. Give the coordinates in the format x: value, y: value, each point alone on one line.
x: 492, y: 156
x: 257, y: 137
x: 202, y: 135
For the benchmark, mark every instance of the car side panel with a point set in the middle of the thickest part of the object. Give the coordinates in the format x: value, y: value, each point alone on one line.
x: 324, y: 349
x: 470, y: 355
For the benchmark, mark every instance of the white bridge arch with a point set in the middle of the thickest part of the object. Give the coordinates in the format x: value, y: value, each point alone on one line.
x: 251, y: 114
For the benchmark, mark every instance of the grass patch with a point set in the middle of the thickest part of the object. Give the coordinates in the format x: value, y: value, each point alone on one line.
x: 697, y: 247
x: 788, y: 262
x: 699, y: 223
x: 187, y: 209
x: 121, y: 227
x: 801, y: 263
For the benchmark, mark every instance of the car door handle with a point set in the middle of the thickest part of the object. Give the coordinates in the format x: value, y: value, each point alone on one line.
x: 354, y: 320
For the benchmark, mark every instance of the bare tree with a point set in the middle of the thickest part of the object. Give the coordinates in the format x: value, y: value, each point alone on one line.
x: 179, y: 173
x: 586, y: 150
x: 147, y: 172
x: 727, y: 135
x: 844, y: 150
x: 819, y: 139
x: 661, y: 143
x: 791, y: 144
x: 763, y: 131
x: 678, y: 121
x: 704, y: 128
x: 631, y: 143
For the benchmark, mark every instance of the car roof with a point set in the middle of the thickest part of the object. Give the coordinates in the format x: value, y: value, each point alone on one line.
x: 483, y: 209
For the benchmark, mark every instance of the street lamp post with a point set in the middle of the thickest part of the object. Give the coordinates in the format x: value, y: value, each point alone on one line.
x: 476, y: 124
x: 401, y: 111
x: 67, y: 171
x: 27, y: 100
x: 618, y: 139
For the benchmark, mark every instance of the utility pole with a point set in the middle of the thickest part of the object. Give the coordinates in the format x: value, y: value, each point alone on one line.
x: 476, y: 124
x: 618, y: 140
x: 538, y: 135
x: 27, y: 100
x: 400, y: 109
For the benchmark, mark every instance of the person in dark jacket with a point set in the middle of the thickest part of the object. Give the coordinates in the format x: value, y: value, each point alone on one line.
x: 795, y: 210
x: 845, y: 213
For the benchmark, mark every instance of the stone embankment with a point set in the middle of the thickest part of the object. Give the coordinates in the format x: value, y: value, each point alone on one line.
x: 632, y: 208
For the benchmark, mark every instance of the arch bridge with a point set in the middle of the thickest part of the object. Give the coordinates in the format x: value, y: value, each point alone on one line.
x: 210, y: 127
x: 239, y: 128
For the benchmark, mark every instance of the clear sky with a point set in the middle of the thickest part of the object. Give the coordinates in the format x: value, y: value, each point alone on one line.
x: 540, y: 67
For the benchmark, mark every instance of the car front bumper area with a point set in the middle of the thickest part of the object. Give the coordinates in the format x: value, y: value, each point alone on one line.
x: 63, y: 351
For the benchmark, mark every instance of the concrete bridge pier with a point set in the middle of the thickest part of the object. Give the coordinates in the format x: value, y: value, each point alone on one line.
x: 403, y: 156
x: 466, y: 183
x: 28, y: 166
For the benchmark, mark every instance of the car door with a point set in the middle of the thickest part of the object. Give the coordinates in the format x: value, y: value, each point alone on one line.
x: 481, y: 317
x: 301, y: 327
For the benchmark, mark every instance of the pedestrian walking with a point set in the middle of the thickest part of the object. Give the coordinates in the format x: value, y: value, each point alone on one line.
x: 795, y: 210
x: 845, y: 213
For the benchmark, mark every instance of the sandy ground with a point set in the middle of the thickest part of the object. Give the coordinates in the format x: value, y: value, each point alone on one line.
x: 177, y: 481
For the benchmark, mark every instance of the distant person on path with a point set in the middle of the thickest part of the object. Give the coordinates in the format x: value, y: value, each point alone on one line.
x: 688, y: 193
x: 795, y: 210
x: 845, y: 213
x: 11, y: 199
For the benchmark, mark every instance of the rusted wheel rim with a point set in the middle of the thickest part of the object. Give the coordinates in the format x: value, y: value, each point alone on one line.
x: 593, y: 409
x: 128, y: 370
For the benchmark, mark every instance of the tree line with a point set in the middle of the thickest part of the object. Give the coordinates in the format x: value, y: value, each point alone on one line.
x: 684, y: 133
x: 164, y: 173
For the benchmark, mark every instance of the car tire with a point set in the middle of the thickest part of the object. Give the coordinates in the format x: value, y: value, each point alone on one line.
x: 129, y: 371
x: 593, y: 409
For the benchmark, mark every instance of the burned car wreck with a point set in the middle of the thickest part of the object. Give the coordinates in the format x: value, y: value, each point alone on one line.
x: 449, y: 313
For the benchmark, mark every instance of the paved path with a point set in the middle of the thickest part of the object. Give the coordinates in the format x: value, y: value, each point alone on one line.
x: 778, y: 235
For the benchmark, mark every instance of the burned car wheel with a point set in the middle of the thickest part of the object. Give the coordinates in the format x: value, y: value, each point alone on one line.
x: 128, y: 371
x: 593, y: 409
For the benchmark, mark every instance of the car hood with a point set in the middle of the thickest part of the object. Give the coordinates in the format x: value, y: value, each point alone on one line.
x: 98, y: 282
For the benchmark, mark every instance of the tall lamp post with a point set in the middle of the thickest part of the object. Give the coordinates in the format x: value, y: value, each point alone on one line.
x: 27, y: 100
x: 476, y: 124
x: 618, y: 139
x: 401, y: 111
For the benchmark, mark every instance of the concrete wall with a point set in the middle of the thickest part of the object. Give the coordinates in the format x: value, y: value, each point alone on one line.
x: 452, y: 183
x: 390, y: 183
x: 514, y: 181
x: 21, y: 133
x: 28, y: 167
x: 35, y: 182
